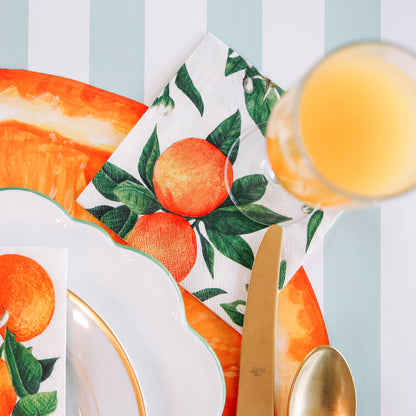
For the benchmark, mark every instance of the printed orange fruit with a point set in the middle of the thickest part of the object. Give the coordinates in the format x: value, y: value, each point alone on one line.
x: 169, y: 239
x: 8, y: 396
x: 188, y: 177
x: 28, y: 295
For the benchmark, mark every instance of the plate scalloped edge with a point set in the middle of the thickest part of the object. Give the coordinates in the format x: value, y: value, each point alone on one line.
x: 174, y: 284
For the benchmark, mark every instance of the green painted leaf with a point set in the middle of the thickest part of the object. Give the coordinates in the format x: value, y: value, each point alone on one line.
x: 184, y: 82
x: 232, y: 246
x: 24, y: 369
x: 234, y: 63
x: 224, y: 136
x: 108, y: 177
x: 231, y: 309
x: 47, y: 367
x: 260, y: 101
x: 99, y: 211
x: 1, y: 349
x: 165, y: 102
x: 252, y: 72
x: 128, y: 225
x: 137, y: 198
x: 205, y: 294
x: 116, y: 218
x: 282, y: 274
x: 207, y: 253
x: 40, y: 404
x: 313, y: 224
x: 231, y: 221
x: 150, y: 154
x: 249, y: 189
x: 263, y: 214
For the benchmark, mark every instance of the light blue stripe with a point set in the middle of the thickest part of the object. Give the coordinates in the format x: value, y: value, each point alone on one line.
x: 238, y: 23
x: 351, y: 21
x: 14, y: 33
x: 117, y: 46
x: 352, y: 246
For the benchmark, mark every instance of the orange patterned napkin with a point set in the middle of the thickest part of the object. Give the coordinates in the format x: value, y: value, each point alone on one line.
x: 32, y: 329
x: 163, y: 189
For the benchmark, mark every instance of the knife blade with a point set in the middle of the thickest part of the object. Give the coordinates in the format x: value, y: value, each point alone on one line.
x: 256, y: 381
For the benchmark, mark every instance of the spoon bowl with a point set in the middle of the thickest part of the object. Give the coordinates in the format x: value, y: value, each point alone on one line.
x: 323, y: 386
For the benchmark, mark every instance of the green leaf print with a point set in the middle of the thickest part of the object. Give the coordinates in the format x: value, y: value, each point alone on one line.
x: 231, y: 309
x: 232, y: 246
x: 207, y: 253
x: 108, y: 177
x: 47, y: 367
x: 313, y: 224
x: 205, y: 294
x: 184, y: 82
x: 247, y: 189
x: 226, y: 134
x: 262, y: 214
x: 260, y: 100
x: 100, y: 210
x: 150, y: 154
x: 137, y: 198
x: 234, y: 63
x: 164, y: 103
x: 40, y: 404
x: 24, y: 369
x: 121, y: 220
x: 282, y: 274
x: 231, y: 221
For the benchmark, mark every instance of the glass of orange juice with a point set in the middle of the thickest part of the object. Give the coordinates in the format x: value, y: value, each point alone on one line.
x: 345, y: 135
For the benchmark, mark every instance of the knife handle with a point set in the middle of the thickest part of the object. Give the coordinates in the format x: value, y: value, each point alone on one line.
x: 256, y: 381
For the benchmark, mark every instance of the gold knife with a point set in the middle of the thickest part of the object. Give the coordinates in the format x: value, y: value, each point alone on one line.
x: 256, y: 382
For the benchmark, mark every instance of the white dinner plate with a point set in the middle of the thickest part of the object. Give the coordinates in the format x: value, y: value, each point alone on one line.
x: 178, y: 372
x: 91, y: 345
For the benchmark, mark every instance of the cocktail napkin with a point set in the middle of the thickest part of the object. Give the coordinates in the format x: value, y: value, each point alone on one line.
x: 163, y: 190
x: 33, y: 330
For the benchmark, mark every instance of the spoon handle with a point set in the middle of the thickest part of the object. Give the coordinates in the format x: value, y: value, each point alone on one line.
x: 256, y: 382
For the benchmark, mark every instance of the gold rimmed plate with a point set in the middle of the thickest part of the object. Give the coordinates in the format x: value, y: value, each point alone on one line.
x: 98, y: 368
x: 178, y: 372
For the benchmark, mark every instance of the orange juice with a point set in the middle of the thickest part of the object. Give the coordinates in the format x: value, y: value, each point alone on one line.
x: 356, y: 126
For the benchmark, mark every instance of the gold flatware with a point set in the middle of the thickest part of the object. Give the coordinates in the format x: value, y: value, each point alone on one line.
x: 256, y: 382
x: 323, y: 386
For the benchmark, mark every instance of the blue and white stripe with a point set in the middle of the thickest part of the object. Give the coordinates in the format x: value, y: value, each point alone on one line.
x: 363, y: 273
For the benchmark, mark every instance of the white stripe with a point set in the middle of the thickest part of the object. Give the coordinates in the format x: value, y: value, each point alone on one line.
x: 398, y: 243
x: 398, y: 22
x: 173, y: 29
x: 59, y: 38
x: 293, y: 40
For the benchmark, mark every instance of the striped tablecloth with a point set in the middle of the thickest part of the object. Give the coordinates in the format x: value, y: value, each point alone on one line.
x: 363, y: 273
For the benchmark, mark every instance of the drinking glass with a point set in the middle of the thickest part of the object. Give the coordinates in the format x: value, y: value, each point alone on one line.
x: 344, y: 136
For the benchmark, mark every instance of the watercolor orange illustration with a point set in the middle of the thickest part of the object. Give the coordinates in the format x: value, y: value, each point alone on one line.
x: 300, y: 329
x: 27, y: 294
x: 63, y: 129
x: 168, y: 238
x: 8, y: 396
x: 189, y: 178
x: 51, y: 129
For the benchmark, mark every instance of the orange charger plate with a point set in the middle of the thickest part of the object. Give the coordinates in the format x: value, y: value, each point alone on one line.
x: 56, y: 133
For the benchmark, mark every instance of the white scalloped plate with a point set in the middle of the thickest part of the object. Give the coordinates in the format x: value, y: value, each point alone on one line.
x: 178, y: 372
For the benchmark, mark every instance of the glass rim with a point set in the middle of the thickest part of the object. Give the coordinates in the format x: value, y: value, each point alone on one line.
x: 299, y: 88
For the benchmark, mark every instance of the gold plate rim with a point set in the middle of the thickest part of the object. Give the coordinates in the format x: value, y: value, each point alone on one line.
x: 116, y: 344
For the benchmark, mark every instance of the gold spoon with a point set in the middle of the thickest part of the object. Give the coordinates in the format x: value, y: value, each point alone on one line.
x: 323, y: 386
